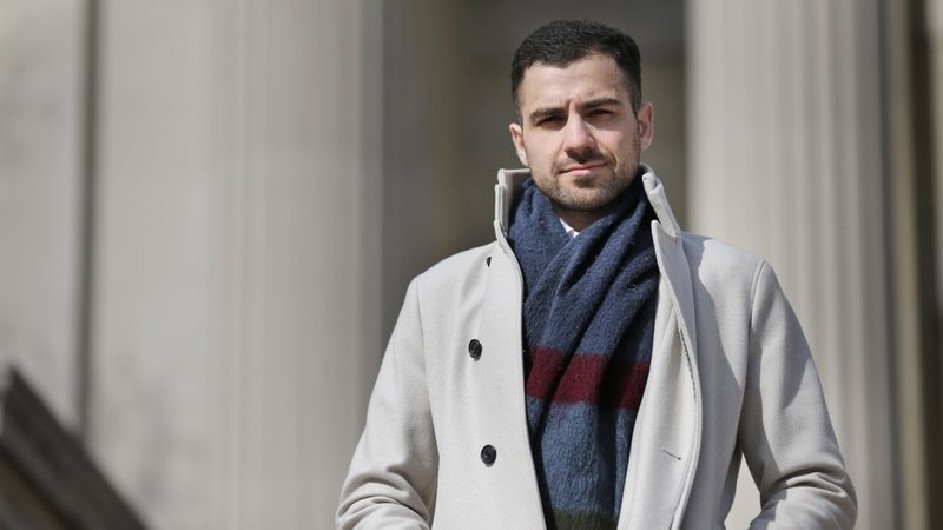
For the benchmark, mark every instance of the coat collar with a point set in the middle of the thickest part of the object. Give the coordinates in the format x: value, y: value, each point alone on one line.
x: 672, y: 260
x: 509, y: 186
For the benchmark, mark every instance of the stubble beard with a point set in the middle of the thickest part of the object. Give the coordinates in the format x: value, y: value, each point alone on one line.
x: 595, y: 195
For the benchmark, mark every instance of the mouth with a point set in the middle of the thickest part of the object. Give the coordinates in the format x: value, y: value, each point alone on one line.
x: 577, y: 170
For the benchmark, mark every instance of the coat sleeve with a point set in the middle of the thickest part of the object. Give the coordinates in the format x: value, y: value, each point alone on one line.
x: 786, y: 434
x: 392, y: 477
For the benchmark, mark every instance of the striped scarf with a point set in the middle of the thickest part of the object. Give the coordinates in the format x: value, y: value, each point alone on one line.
x: 589, y: 312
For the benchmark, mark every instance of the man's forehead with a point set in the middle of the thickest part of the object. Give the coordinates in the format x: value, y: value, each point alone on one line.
x: 591, y: 78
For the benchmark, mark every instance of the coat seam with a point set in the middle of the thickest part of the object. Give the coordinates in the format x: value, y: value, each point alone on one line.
x: 754, y: 287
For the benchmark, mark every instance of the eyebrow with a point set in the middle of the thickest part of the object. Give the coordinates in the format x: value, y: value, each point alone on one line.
x: 600, y: 102
x: 543, y: 112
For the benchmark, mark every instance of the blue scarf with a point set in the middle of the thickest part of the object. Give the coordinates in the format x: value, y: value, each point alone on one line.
x: 589, y: 312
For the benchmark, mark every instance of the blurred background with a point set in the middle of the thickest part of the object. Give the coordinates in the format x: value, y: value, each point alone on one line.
x: 210, y: 210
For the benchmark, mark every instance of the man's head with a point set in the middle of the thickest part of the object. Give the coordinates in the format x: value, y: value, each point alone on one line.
x: 581, y: 123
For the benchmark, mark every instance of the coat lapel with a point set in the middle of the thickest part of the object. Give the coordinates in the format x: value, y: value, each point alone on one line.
x: 666, y: 440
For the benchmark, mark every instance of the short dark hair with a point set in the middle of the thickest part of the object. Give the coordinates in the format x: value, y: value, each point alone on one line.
x: 562, y: 42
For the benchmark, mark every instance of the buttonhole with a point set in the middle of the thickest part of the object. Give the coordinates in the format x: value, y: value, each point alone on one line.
x: 672, y: 455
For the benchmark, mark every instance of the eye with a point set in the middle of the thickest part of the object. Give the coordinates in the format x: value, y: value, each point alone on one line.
x: 547, y: 121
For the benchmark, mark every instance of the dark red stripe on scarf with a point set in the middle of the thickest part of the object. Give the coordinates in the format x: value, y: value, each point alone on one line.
x: 618, y: 388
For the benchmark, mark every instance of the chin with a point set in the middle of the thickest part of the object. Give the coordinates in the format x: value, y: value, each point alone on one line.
x: 587, y: 201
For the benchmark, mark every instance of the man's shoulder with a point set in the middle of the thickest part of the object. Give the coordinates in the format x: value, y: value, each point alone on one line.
x: 717, y: 249
x: 458, y: 267
x: 717, y: 261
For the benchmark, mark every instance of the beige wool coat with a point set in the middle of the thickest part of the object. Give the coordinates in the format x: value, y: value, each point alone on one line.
x: 446, y: 446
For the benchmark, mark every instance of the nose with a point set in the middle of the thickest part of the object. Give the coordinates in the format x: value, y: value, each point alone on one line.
x: 578, y: 141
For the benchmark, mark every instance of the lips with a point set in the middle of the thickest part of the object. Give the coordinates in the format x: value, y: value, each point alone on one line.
x: 583, y: 168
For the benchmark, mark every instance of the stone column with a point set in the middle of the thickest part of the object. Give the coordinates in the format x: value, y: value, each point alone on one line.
x: 236, y: 331
x: 787, y: 160
x: 934, y: 9
x: 41, y: 86
x: 914, y: 229
x: 427, y: 206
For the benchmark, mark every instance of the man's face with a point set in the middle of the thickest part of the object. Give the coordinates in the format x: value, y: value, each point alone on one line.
x: 578, y: 134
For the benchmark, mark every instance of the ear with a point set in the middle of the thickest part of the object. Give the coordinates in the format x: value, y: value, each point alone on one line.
x: 517, y: 136
x: 646, y: 125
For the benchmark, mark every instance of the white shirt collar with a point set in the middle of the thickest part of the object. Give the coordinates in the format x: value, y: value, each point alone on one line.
x: 570, y: 231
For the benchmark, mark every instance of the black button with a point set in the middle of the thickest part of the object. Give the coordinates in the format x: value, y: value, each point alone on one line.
x: 488, y: 455
x: 488, y: 261
x: 474, y: 349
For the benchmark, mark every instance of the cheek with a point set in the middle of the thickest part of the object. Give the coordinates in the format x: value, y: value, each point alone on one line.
x: 624, y: 146
x: 539, y: 154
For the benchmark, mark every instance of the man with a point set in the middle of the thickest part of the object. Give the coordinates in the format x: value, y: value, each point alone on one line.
x: 594, y: 367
